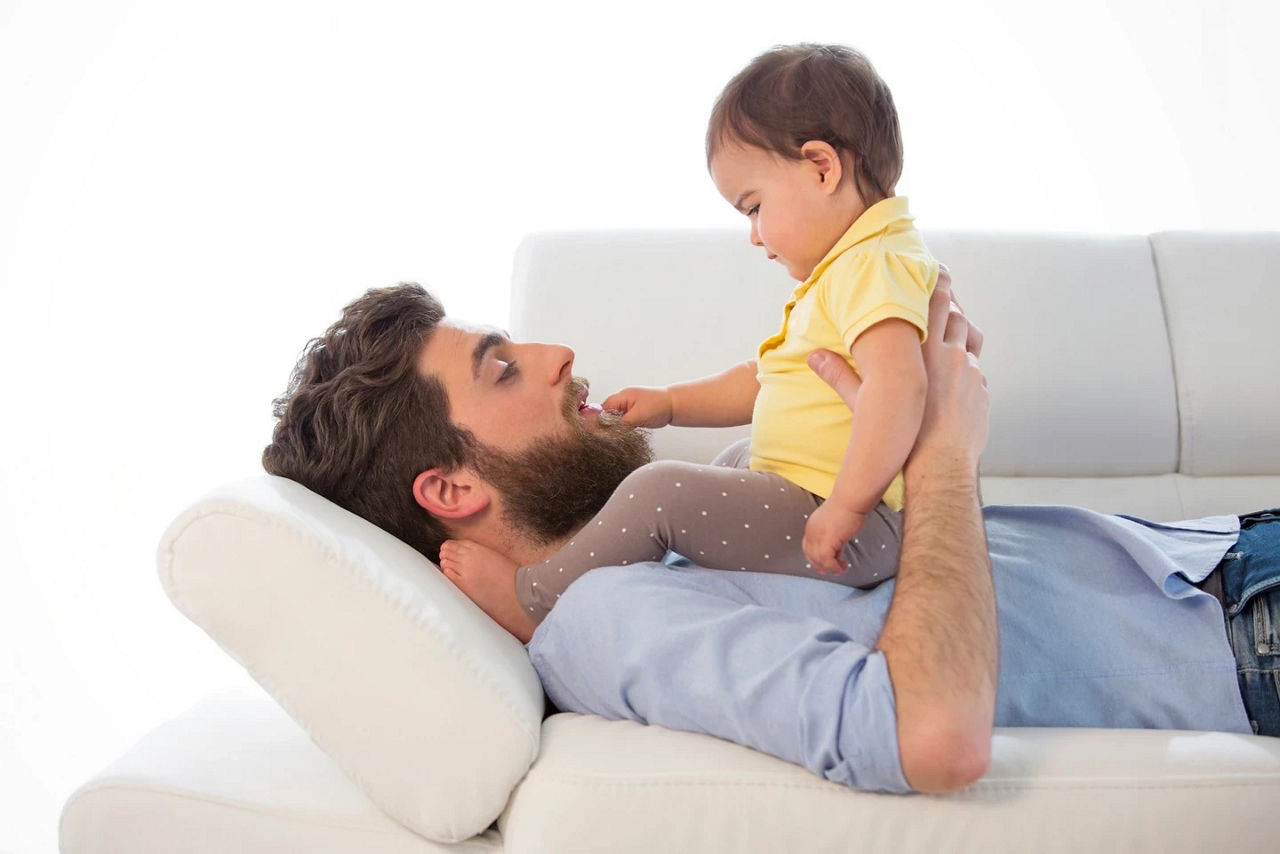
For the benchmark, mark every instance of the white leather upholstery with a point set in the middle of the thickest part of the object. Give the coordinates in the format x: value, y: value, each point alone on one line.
x: 422, y: 699
x: 1127, y: 374
x: 234, y: 775
x: 1073, y: 328
x: 646, y: 789
x: 1222, y: 302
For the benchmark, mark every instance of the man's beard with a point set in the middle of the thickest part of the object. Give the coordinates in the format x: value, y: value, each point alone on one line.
x: 552, y: 489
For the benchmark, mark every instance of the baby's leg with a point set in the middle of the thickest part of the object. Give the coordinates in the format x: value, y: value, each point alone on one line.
x: 733, y: 519
x: 722, y: 518
x: 872, y: 555
x: 736, y: 456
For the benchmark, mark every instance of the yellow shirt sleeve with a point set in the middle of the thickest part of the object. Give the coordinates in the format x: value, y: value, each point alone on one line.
x: 860, y: 289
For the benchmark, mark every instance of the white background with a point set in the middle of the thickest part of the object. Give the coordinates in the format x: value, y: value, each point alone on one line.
x: 189, y: 190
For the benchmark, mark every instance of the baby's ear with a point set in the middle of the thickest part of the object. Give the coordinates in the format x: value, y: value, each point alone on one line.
x: 825, y: 161
x: 450, y: 495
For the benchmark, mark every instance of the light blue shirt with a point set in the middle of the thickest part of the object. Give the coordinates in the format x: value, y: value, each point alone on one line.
x: 1099, y: 627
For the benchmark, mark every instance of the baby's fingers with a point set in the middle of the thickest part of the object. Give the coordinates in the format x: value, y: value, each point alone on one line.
x: 819, y: 558
x: 619, y: 401
x: 831, y: 563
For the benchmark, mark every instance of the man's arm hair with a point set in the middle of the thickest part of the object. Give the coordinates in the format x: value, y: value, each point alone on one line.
x: 940, y: 636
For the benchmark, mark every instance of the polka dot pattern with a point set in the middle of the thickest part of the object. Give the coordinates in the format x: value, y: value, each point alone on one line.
x: 759, y: 526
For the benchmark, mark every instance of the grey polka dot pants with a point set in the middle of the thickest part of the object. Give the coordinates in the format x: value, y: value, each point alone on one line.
x: 718, y: 517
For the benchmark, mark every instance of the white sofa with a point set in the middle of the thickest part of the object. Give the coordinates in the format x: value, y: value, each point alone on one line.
x: 1128, y: 373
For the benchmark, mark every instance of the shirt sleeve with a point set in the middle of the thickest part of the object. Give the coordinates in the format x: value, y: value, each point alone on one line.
x: 690, y: 651
x: 860, y: 289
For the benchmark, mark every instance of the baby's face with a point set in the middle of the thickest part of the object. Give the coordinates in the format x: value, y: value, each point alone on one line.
x: 794, y: 213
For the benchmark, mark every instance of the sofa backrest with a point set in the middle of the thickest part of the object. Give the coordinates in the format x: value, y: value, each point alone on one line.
x: 1128, y: 373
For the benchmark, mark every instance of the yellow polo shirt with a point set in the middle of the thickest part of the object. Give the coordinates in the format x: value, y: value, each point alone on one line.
x: 879, y: 269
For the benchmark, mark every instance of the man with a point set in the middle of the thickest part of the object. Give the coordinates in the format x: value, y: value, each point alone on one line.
x: 437, y: 430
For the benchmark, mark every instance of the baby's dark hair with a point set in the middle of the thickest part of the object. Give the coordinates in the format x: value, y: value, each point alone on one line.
x: 792, y: 94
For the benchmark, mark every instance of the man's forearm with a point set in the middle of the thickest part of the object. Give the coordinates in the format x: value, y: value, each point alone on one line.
x: 940, y: 636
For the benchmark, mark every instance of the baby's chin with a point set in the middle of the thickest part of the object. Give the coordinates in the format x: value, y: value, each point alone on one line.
x: 797, y: 273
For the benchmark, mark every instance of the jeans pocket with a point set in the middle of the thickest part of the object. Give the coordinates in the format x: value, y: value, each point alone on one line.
x: 1266, y: 622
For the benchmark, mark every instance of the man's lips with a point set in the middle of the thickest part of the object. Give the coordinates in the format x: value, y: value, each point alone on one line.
x: 585, y: 408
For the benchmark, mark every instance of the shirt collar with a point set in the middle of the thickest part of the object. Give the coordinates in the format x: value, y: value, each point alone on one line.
x: 874, y: 220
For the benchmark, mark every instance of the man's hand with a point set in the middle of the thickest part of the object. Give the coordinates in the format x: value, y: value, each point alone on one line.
x: 641, y: 406
x: 958, y: 407
x: 958, y: 404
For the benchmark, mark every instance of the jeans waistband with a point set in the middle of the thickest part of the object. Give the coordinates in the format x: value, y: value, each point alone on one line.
x: 1213, y: 583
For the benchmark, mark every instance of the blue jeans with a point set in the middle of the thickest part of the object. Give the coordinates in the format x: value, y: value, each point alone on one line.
x: 1251, y: 594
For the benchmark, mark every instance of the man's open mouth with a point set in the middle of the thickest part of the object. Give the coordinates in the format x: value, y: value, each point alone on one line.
x: 585, y: 408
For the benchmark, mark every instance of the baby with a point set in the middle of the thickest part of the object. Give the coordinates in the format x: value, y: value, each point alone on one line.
x: 805, y: 143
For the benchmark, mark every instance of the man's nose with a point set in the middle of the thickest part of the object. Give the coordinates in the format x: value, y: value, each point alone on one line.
x: 559, y: 362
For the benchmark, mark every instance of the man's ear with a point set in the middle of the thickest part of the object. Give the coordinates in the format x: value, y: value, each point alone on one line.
x: 450, y: 495
x: 826, y: 161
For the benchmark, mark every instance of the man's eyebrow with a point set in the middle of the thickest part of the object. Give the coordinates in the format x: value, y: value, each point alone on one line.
x: 483, y: 346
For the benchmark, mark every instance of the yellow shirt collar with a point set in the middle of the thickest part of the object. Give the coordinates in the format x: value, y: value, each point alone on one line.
x: 874, y: 220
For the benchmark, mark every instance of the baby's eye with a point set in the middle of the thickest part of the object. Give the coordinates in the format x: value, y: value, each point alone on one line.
x: 753, y: 210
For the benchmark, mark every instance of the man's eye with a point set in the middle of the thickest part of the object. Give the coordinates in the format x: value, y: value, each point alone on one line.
x: 508, y: 372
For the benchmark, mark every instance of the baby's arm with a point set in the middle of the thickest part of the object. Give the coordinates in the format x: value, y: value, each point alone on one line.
x: 886, y: 419
x: 723, y: 400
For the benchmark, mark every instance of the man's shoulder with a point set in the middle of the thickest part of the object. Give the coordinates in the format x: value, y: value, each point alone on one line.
x: 651, y: 579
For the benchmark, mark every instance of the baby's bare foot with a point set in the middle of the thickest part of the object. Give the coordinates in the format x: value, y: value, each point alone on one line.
x: 488, y: 578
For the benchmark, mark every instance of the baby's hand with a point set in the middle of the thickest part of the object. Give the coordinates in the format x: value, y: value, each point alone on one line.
x: 641, y: 406
x: 825, y: 534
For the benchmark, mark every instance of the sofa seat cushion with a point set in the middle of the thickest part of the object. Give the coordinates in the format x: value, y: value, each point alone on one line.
x: 234, y: 775
x: 632, y: 788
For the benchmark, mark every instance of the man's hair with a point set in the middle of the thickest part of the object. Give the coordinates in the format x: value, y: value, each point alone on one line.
x: 792, y: 94
x: 358, y: 422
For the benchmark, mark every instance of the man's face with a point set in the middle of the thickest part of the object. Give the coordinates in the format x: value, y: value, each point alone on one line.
x: 554, y: 459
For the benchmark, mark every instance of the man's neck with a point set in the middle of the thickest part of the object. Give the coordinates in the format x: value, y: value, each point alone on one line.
x: 525, y: 552
x: 515, y: 545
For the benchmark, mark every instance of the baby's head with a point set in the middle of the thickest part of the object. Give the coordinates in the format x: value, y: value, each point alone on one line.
x: 803, y: 140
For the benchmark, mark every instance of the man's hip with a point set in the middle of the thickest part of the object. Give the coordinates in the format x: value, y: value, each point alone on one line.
x: 1247, y: 583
